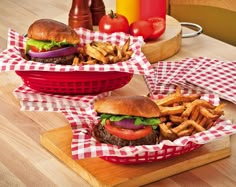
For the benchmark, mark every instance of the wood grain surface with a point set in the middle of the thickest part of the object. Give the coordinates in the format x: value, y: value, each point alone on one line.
x: 24, y: 162
x: 167, y: 45
x: 58, y: 142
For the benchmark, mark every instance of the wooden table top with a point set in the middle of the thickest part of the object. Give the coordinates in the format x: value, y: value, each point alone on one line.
x: 24, y: 162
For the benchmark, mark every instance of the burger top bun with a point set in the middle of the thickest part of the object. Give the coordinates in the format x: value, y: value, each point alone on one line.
x: 127, y: 105
x: 47, y: 29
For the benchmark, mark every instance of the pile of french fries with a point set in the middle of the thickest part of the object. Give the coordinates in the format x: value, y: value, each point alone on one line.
x: 103, y: 53
x: 184, y: 115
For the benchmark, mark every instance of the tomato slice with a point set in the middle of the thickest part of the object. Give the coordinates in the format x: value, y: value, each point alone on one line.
x: 141, y: 28
x: 127, y: 134
x: 159, y: 27
x: 35, y: 49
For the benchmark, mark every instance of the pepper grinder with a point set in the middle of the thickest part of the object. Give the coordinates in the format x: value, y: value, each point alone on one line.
x: 80, y: 15
x: 97, y: 9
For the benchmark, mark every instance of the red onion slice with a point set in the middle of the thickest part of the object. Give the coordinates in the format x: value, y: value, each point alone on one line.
x: 127, y: 124
x: 65, y: 51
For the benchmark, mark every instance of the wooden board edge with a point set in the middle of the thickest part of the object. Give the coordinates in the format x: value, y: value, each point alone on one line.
x: 67, y: 160
x: 166, y: 49
x: 137, y: 181
x: 195, y: 162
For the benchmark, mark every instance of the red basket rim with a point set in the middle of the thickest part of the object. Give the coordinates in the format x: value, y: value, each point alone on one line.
x: 74, y: 82
x: 148, y: 157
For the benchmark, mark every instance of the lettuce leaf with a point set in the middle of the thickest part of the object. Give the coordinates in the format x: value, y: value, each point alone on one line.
x: 44, y: 44
x: 137, y: 120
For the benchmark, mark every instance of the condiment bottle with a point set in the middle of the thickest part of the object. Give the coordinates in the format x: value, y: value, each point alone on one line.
x: 129, y: 8
x: 97, y: 9
x: 152, y: 8
x: 80, y: 15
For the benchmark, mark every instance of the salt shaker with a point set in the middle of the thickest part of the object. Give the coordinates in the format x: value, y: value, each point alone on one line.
x: 97, y: 9
x: 80, y: 15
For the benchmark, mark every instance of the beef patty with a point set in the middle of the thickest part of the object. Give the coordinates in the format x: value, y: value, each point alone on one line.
x: 101, y: 134
x: 65, y: 60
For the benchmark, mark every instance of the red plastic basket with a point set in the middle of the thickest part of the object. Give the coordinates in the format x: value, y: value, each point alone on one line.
x: 76, y: 82
x: 164, y: 153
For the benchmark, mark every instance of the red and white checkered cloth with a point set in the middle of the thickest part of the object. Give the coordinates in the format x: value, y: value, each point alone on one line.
x: 82, y: 117
x: 160, y: 82
x: 33, y: 100
x: 219, y: 78
x: 11, y: 59
x: 201, y: 75
x: 84, y: 145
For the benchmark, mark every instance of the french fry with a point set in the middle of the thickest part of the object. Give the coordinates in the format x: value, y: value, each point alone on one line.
x: 75, y: 61
x: 177, y: 99
x: 206, y: 113
x: 176, y: 119
x: 101, y: 50
x: 186, y: 124
x: 203, y: 121
x: 199, y: 118
x: 186, y: 132
x: 195, y: 114
x: 171, y: 110
x: 219, y: 109
x: 98, y: 52
x: 195, y: 103
x: 105, y: 46
x: 166, y: 132
x: 112, y: 59
x: 185, y: 115
x: 210, y: 124
x: 163, y: 119
x: 90, y: 62
x: 93, y: 52
x: 119, y: 52
x: 126, y: 46
x: 169, y: 124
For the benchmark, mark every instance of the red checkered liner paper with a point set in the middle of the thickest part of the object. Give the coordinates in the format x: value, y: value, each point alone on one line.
x: 202, y: 75
x: 219, y: 78
x: 84, y: 145
x: 33, y: 100
x: 10, y: 59
x: 161, y: 81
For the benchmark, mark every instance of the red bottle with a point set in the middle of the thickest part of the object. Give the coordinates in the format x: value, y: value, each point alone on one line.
x: 152, y: 8
x: 80, y: 15
x: 97, y: 9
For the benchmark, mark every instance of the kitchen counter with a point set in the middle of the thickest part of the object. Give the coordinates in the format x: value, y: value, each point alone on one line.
x: 24, y: 162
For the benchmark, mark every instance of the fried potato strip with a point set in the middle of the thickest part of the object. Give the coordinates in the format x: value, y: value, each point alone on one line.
x: 171, y: 110
x: 184, y: 115
x: 97, y: 52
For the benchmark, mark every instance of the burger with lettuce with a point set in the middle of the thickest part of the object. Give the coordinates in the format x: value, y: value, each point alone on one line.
x: 126, y: 120
x: 50, y: 41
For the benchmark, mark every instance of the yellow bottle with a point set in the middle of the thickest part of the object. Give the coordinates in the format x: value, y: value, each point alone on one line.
x: 129, y: 8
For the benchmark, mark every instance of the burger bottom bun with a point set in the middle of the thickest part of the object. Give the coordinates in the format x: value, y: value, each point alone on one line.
x: 103, y: 136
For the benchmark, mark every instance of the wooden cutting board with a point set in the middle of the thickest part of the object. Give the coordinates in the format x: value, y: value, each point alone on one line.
x: 98, y: 172
x: 167, y: 45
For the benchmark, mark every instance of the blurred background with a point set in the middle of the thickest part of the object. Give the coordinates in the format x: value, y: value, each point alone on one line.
x: 217, y: 17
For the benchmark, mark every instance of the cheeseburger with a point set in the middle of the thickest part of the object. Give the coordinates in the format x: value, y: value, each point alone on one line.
x: 50, y: 41
x: 126, y: 120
